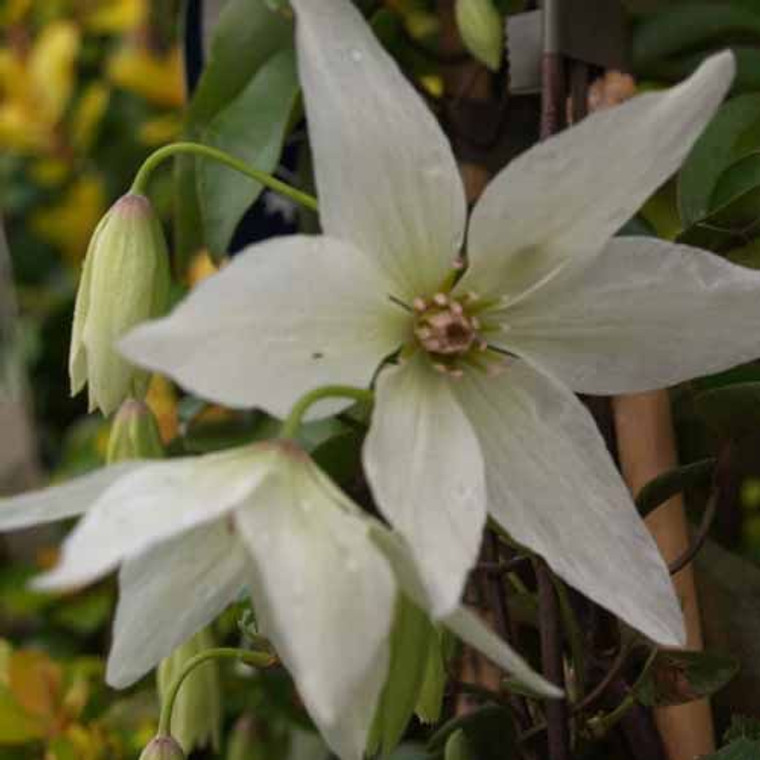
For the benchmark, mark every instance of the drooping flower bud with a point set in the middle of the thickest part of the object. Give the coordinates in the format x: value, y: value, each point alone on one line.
x: 482, y: 29
x: 162, y: 748
x: 134, y: 434
x: 197, y: 711
x: 125, y: 281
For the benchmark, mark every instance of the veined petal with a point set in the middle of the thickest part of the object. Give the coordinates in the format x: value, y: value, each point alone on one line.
x: 646, y: 314
x: 57, y: 502
x: 424, y: 465
x: 386, y: 175
x: 324, y: 594
x: 553, y: 486
x: 463, y: 623
x: 286, y: 316
x: 559, y: 202
x: 169, y: 593
x: 153, y: 504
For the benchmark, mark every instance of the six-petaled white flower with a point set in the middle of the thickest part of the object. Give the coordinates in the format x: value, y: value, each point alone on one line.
x: 479, y: 415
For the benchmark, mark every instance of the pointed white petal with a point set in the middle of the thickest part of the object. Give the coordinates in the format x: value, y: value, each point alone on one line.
x: 562, y: 200
x: 425, y: 468
x: 385, y: 172
x: 471, y: 629
x: 169, y: 593
x: 324, y: 594
x: 286, y: 316
x: 467, y: 626
x: 58, y: 502
x: 553, y: 486
x: 153, y: 504
x: 646, y: 314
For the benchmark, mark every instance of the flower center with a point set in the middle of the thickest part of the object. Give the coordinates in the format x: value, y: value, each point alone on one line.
x: 447, y: 328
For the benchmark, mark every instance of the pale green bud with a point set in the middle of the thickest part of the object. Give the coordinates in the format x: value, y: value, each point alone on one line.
x: 125, y: 281
x: 197, y: 712
x: 162, y: 748
x: 134, y: 434
x: 482, y: 29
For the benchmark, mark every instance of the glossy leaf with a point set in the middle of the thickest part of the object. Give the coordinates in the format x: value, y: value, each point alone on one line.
x: 678, y: 677
x: 673, y: 482
x: 252, y: 128
x: 712, y: 154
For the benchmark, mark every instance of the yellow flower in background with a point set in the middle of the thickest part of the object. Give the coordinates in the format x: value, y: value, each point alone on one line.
x: 69, y: 223
x: 36, y: 87
x: 87, y: 116
x: 162, y: 400
x: 114, y: 16
x: 14, y: 10
x: 156, y: 77
x: 160, y: 130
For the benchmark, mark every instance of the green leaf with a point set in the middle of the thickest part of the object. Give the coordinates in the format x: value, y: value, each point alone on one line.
x: 682, y: 27
x: 743, y: 727
x: 712, y: 154
x: 457, y: 747
x: 677, y: 677
x: 410, y: 640
x: 252, y: 128
x: 489, y: 731
x: 247, y: 34
x: 741, y: 749
x: 732, y: 411
x: 430, y: 697
x: 16, y: 725
x: 672, y: 482
x: 188, y: 229
x: 340, y: 456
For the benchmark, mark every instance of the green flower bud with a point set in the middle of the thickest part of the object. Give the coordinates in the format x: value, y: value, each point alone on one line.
x: 134, y: 434
x: 482, y: 30
x: 125, y: 281
x: 162, y: 748
x: 197, y: 713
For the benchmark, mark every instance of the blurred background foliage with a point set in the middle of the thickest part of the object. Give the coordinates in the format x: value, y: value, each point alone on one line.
x: 87, y: 89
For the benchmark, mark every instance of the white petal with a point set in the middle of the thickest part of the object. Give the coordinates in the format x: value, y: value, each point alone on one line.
x: 386, y: 176
x: 284, y: 317
x: 425, y: 468
x: 324, y: 594
x: 562, y: 200
x: 169, y: 593
x: 553, y: 486
x: 58, y: 502
x: 464, y: 624
x: 153, y: 504
x: 646, y: 314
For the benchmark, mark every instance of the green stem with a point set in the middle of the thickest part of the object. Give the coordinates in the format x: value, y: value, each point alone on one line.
x: 168, y: 151
x: 254, y: 659
x: 294, y: 420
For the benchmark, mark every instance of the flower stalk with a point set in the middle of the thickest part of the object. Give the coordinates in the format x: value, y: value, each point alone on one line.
x: 204, y: 151
x: 294, y: 420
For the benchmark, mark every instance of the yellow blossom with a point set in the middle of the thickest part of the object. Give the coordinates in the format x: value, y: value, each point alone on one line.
x: 157, y: 78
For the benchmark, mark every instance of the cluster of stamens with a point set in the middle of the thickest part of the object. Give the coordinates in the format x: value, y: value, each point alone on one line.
x: 448, y: 329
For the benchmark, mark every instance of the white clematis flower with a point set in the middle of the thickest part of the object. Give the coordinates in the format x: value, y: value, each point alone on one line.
x: 480, y: 414
x: 191, y: 534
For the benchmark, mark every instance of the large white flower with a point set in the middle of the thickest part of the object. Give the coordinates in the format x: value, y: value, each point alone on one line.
x: 479, y: 415
x: 191, y: 534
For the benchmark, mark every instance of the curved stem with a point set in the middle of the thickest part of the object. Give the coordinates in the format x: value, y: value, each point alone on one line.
x: 294, y: 420
x: 254, y: 659
x: 205, y: 151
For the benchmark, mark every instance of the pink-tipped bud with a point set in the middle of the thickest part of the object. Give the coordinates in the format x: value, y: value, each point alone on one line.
x: 162, y: 748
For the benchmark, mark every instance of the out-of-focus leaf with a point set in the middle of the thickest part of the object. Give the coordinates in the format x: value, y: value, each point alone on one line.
x: 87, y: 613
x: 712, y: 154
x: 35, y: 682
x: 340, y: 456
x: 430, y: 698
x: 252, y: 128
x: 410, y: 639
x: 677, y: 677
x: 673, y: 482
x: 732, y: 411
x: 247, y: 34
x: 682, y: 27
x: 16, y: 725
x: 742, y: 727
x: 490, y: 733
x: 741, y: 749
x: 457, y: 747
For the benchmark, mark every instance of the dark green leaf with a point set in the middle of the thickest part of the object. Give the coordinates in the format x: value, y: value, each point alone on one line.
x: 188, y: 230
x: 682, y: 27
x: 732, y: 411
x: 741, y: 749
x: 677, y: 677
x: 340, y: 456
x: 457, y: 747
x: 743, y: 727
x: 248, y: 33
x: 673, y: 482
x: 712, y: 154
x: 490, y: 733
x: 253, y: 129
